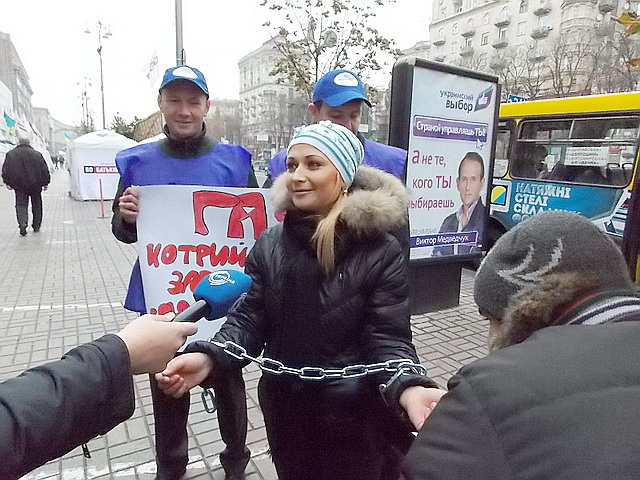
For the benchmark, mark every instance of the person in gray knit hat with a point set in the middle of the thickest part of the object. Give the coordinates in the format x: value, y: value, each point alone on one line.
x: 558, y: 395
x: 558, y: 255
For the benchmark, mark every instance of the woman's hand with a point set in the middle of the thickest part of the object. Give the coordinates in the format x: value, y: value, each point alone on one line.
x: 418, y: 402
x: 183, y: 373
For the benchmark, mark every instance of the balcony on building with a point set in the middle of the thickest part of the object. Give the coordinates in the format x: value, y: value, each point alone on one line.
x: 468, y: 32
x: 540, y: 32
x: 438, y: 42
x: 499, y: 43
x: 536, y: 55
x: 503, y: 21
x: 439, y: 57
x: 466, y: 51
x: 606, y: 6
x: 543, y: 9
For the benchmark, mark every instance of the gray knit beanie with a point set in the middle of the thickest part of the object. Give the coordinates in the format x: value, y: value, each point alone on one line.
x: 550, y: 242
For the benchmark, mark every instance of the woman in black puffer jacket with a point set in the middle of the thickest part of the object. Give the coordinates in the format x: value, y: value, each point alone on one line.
x: 329, y: 290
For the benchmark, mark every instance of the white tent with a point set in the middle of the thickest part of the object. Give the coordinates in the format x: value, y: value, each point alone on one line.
x: 91, y: 164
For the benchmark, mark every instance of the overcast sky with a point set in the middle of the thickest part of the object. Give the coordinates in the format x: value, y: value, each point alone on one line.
x: 57, y: 54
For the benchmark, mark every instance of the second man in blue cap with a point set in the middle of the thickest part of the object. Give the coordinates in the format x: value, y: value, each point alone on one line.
x: 338, y: 97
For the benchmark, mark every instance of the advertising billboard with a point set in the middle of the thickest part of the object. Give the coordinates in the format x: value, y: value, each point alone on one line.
x: 445, y: 116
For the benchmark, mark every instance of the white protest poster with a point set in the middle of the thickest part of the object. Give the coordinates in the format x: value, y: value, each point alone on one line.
x: 186, y: 232
x: 450, y: 149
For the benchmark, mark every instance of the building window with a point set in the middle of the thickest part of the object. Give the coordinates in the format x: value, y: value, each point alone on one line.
x: 457, y: 7
x: 524, y: 6
x: 454, y: 47
x: 455, y: 28
x: 502, y: 34
x: 486, y: 18
x: 484, y: 39
x: 522, y: 26
x: 467, y: 43
x: 441, y: 34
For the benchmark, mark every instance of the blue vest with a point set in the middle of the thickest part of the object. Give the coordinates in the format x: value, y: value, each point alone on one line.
x: 385, y: 157
x: 223, y: 166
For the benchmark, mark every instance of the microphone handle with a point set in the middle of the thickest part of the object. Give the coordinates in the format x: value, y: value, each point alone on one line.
x: 193, y: 313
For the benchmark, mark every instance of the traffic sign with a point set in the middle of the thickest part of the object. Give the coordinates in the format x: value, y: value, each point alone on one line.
x: 516, y: 98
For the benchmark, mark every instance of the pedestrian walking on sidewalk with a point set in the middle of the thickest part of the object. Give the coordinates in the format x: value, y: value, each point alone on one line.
x: 328, y: 305
x: 186, y: 157
x: 26, y: 172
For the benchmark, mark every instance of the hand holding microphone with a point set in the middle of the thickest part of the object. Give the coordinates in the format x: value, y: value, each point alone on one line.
x: 215, y: 294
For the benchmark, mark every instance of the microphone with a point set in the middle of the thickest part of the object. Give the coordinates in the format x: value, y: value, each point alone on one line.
x: 214, y: 295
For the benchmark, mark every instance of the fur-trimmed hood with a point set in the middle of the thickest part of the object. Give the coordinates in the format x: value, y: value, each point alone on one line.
x: 542, y: 305
x: 376, y: 201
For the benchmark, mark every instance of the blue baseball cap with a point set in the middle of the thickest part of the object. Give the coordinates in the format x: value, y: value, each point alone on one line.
x: 183, y: 72
x: 339, y: 87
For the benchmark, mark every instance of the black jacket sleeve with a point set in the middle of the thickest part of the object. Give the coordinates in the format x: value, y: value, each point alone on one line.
x: 49, y: 410
x: 43, y: 170
x: 388, y: 329
x: 457, y: 441
x: 123, y: 231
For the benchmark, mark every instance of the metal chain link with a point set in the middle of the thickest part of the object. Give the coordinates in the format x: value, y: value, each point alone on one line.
x: 275, y: 367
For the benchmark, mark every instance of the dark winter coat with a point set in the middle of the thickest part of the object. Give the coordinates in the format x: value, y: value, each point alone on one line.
x: 25, y: 169
x: 560, y: 405
x: 49, y: 410
x: 303, y: 318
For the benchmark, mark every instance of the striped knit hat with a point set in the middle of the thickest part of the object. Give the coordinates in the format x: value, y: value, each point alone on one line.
x: 338, y: 143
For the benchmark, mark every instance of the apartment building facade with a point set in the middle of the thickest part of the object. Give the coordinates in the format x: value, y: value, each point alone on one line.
x: 536, y: 47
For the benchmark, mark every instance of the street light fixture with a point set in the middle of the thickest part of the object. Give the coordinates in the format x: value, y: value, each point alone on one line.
x: 103, y: 32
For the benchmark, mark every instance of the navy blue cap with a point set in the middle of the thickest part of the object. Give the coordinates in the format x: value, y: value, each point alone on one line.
x: 183, y: 72
x: 339, y: 87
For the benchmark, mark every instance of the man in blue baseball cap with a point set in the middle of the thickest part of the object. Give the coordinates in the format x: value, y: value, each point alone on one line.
x: 187, y: 156
x: 338, y: 96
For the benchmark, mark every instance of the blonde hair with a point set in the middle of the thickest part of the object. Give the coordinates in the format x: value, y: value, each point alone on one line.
x: 325, y: 234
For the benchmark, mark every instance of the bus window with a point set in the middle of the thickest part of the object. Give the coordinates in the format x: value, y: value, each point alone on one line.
x: 530, y: 161
x: 503, y: 139
x: 605, y: 129
x: 587, y: 151
x: 548, y: 130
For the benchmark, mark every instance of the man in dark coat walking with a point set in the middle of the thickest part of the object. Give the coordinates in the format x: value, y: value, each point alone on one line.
x: 26, y: 172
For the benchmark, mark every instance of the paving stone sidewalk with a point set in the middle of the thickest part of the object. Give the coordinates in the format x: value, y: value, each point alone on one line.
x: 65, y: 285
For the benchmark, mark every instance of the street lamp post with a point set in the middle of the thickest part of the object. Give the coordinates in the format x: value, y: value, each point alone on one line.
x: 103, y: 32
